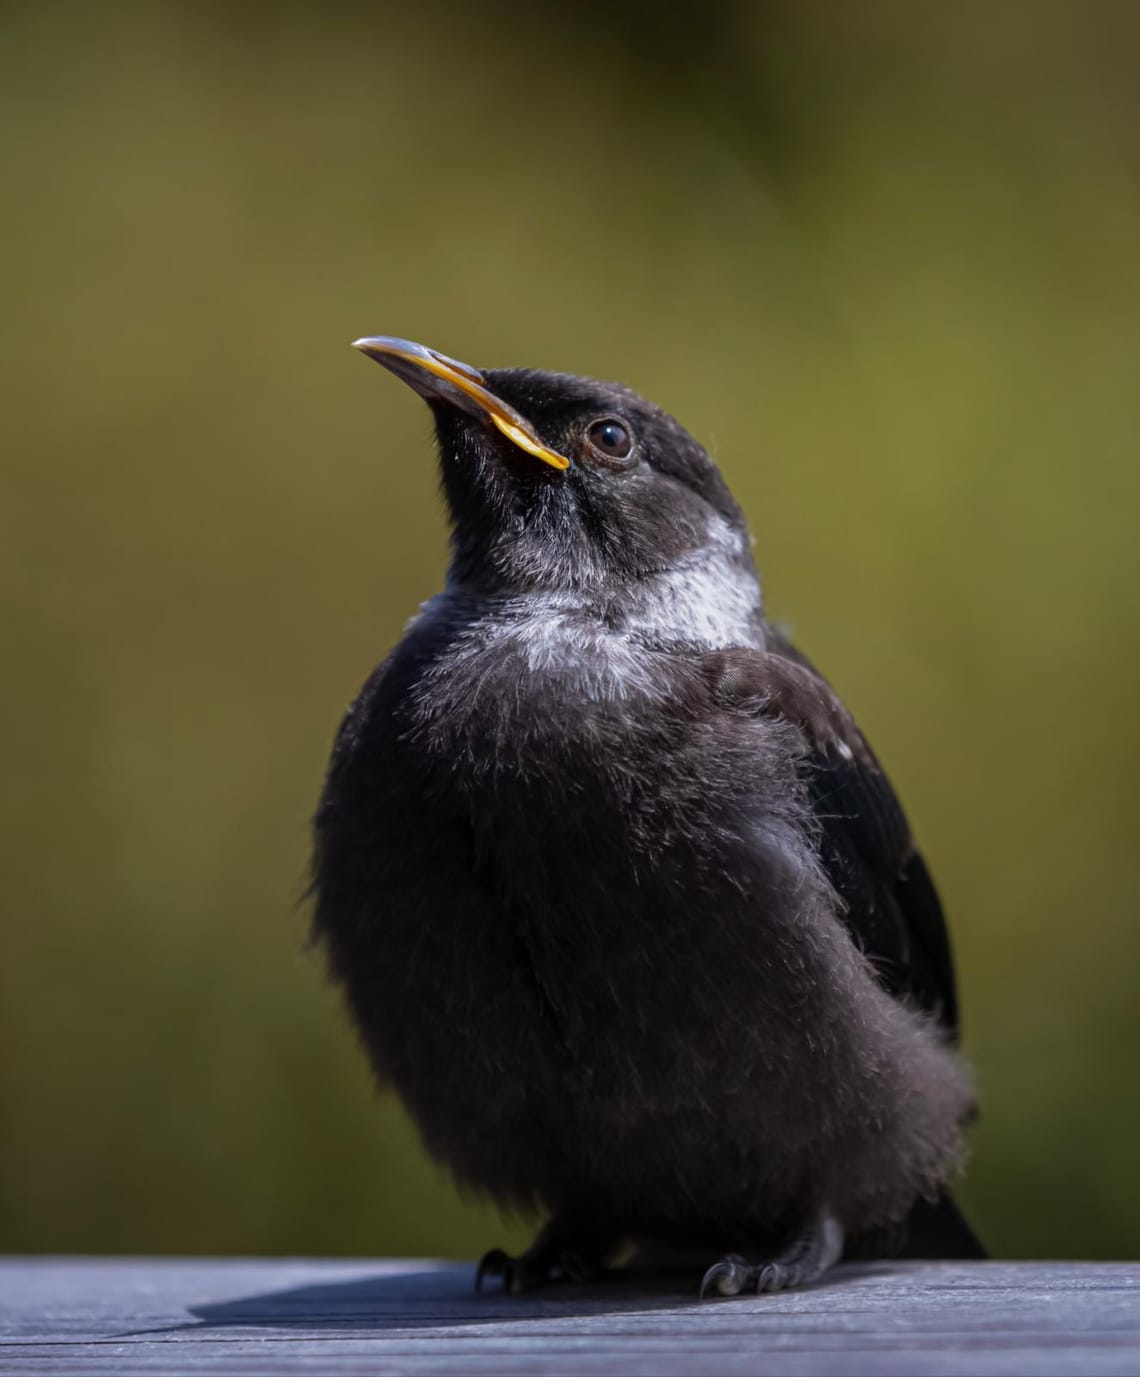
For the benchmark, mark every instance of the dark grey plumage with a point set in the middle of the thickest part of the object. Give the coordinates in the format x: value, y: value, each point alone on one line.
x: 623, y: 905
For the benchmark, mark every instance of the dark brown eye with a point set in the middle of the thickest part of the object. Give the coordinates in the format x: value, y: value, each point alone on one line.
x: 611, y: 438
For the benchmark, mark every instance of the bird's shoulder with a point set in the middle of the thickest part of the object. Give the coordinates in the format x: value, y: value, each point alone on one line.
x: 778, y: 681
x: 890, y: 904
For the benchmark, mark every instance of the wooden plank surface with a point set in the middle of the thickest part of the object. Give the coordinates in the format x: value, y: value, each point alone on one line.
x: 166, y: 1315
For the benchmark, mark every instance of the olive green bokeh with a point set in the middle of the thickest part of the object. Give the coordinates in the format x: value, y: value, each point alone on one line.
x: 882, y: 257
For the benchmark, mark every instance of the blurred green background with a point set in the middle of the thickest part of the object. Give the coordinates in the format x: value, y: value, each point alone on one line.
x: 882, y: 257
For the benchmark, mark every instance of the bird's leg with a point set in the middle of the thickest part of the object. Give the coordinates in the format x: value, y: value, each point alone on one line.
x: 566, y: 1249
x: 805, y: 1258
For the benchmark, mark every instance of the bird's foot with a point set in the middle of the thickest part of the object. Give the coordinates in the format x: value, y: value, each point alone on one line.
x: 802, y: 1261
x: 528, y: 1270
x: 559, y: 1253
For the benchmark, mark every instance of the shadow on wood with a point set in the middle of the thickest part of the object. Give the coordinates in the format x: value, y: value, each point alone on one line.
x: 445, y: 1297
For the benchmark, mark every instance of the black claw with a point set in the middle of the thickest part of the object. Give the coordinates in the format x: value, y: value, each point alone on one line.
x: 727, y: 1277
x: 496, y: 1263
x: 768, y: 1279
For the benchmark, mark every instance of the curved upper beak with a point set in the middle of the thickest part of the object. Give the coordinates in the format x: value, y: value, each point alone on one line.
x: 436, y: 377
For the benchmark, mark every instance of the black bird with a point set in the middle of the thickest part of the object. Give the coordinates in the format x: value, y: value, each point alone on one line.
x: 622, y: 903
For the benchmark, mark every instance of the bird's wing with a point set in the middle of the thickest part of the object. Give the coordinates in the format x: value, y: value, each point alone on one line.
x: 891, y: 907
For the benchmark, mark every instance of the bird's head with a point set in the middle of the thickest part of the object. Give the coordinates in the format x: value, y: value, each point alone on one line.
x: 564, y: 483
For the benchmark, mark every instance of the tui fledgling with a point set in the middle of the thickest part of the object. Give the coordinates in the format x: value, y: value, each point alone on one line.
x: 622, y: 903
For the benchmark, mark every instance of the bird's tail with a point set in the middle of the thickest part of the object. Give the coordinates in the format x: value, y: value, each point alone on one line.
x: 938, y: 1229
x: 934, y: 1229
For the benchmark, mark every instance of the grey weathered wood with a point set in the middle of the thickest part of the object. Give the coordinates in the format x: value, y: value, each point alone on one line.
x: 164, y: 1315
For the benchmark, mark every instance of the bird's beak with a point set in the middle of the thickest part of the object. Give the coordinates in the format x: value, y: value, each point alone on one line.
x: 436, y: 377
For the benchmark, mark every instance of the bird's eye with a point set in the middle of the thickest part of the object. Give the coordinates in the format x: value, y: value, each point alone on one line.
x: 611, y: 438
